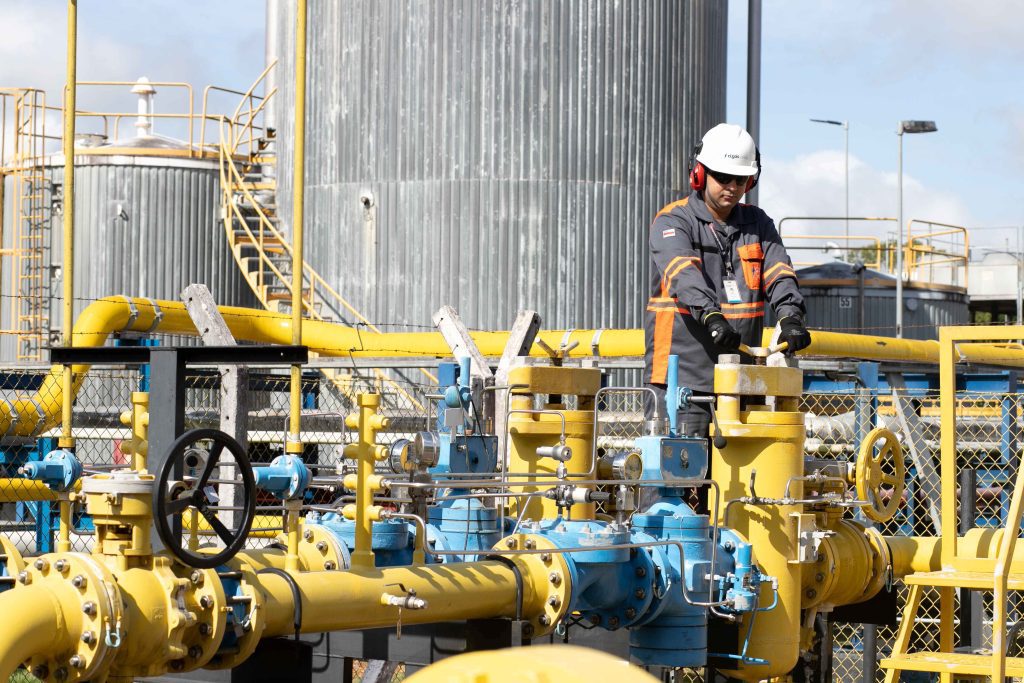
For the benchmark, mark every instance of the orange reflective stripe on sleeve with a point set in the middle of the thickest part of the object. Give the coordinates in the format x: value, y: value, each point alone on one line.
x: 777, y: 271
x: 664, y: 320
x: 676, y: 266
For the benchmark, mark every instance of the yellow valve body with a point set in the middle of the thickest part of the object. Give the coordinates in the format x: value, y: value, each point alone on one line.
x: 537, y: 664
x: 528, y: 431
x: 770, y: 443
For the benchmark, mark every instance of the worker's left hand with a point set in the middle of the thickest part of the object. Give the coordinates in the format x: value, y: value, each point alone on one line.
x: 792, y: 331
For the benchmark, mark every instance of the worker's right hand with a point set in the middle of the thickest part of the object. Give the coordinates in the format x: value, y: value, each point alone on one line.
x: 722, y: 333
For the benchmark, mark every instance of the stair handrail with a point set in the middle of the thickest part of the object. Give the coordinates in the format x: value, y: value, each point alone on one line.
x: 1001, y: 577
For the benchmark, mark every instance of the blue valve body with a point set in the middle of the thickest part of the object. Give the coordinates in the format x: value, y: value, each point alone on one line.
x: 287, y: 477
x: 59, y: 470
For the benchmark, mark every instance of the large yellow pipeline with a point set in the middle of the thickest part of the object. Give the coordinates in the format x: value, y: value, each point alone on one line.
x: 333, y: 601
x: 121, y: 313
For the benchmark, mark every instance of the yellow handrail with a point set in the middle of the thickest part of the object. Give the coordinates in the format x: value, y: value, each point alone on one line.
x: 913, y: 249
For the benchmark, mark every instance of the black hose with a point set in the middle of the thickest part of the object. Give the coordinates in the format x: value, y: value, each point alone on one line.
x: 296, y: 596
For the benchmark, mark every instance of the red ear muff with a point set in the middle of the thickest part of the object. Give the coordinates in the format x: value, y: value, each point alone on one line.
x: 752, y: 183
x: 698, y: 177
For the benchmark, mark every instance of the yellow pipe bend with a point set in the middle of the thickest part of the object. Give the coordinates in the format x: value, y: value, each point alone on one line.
x: 37, y: 628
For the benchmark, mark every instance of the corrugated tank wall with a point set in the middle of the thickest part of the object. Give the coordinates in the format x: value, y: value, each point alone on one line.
x: 517, y: 150
x: 148, y: 227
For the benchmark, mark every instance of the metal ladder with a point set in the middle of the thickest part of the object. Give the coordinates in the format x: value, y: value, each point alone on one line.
x: 32, y: 204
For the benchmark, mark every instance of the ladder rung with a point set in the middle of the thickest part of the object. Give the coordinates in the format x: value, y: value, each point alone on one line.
x: 962, y: 579
x: 951, y: 662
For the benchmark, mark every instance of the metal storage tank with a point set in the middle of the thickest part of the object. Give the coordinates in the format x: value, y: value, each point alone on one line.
x: 516, y: 150
x: 147, y: 223
x: 841, y: 297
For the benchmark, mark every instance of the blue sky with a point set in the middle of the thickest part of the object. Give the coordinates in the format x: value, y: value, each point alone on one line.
x: 872, y: 63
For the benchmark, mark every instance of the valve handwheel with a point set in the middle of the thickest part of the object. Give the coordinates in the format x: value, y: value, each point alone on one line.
x: 175, y: 498
x: 881, y: 470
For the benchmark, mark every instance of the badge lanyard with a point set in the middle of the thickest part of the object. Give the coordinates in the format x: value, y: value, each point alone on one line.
x: 732, y: 289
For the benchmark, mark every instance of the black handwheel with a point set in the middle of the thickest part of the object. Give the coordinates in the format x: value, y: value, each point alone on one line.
x: 174, y: 497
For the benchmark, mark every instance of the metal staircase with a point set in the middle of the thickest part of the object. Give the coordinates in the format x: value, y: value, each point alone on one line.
x: 32, y: 202
x: 248, y: 178
x: 963, y: 567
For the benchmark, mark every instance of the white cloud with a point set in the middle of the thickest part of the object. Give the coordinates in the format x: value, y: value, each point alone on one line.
x: 813, y: 185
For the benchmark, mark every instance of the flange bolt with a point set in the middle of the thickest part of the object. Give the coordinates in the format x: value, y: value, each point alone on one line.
x: 555, y: 578
x: 61, y: 565
x: 41, y: 564
x: 89, y: 608
x: 308, y: 534
x: 79, y: 581
x: 196, y: 577
x: 322, y: 546
x: 76, y: 661
x: 88, y: 637
x: 544, y: 620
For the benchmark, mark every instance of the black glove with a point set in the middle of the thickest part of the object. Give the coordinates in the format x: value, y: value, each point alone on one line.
x: 792, y: 330
x: 722, y: 333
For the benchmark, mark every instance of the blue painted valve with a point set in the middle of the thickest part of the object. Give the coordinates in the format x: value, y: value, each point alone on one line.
x: 59, y: 470
x: 287, y: 477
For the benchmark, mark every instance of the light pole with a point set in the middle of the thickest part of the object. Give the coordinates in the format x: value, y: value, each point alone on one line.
x: 846, y: 139
x: 904, y: 127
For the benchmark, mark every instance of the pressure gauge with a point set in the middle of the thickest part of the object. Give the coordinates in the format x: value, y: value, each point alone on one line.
x: 621, y: 466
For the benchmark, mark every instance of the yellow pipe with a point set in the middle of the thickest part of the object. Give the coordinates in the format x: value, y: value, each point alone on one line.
x: 38, y: 627
x: 294, y: 445
x: 368, y: 422
x: 111, y: 314
x: 923, y: 553
x: 68, y: 272
x: 292, y: 516
x: 563, y: 663
x: 455, y: 591
x: 17, y: 490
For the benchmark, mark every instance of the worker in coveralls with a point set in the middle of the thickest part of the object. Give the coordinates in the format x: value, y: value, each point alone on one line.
x: 714, y: 265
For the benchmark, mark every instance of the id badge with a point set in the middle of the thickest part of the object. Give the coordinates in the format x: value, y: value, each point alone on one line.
x: 732, y: 291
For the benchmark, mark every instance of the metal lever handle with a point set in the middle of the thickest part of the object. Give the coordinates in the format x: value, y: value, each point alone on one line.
x: 719, y: 441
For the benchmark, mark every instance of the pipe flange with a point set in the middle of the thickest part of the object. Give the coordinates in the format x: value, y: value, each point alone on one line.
x: 87, y: 589
x: 196, y: 630
x: 244, y: 609
x: 881, y: 561
x: 319, y: 549
x: 638, y: 601
x: 549, y: 573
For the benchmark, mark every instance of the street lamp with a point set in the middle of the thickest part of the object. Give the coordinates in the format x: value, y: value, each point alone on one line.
x: 904, y: 127
x: 846, y: 136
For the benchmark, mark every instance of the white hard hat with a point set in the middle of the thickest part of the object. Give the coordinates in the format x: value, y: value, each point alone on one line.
x: 727, y: 148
